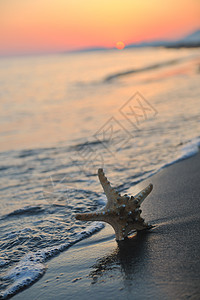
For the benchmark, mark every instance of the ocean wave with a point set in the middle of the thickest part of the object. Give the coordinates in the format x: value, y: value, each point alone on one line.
x: 143, y: 69
x: 3, y: 262
x: 27, y: 210
x: 191, y: 148
x: 188, y: 150
x: 32, y: 266
x: 88, y: 143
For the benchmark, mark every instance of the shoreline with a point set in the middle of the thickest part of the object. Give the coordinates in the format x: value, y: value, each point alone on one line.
x: 161, y: 263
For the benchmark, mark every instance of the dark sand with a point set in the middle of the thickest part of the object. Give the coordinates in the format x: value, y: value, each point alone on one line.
x: 163, y: 263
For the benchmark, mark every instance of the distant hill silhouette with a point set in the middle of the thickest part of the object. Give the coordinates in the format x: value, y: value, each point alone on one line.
x: 188, y: 41
x: 193, y: 37
x: 191, y: 40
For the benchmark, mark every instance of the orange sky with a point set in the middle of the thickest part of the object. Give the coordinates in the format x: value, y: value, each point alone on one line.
x: 57, y: 25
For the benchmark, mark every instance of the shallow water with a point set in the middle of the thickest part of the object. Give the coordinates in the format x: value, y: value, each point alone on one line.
x: 61, y: 119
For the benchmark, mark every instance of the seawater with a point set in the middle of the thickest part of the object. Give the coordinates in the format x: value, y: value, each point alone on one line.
x: 62, y: 117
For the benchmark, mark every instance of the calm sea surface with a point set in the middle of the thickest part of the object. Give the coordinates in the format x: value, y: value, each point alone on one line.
x: 62, y: 117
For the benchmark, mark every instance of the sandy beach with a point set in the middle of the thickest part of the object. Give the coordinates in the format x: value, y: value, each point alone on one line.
x: 160, y: 264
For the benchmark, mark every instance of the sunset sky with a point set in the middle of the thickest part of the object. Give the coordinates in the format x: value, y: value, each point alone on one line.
x: 28, y: 26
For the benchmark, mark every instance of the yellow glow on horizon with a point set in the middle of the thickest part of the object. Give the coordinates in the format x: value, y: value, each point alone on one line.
x: 63, y: 25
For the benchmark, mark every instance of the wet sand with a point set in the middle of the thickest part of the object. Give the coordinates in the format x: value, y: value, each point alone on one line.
x: 163, y: 263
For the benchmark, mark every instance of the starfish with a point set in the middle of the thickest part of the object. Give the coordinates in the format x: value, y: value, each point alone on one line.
x: 121, y: 212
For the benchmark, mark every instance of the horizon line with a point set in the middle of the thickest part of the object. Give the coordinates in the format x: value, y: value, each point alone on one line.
x: 131, y: 45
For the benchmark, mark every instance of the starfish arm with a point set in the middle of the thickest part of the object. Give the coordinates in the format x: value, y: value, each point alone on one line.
x: 110, y: 192
x: 143, y: 194
x: 96, y: 216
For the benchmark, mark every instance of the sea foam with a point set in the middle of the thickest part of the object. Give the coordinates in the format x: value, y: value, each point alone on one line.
x: 32, y: 266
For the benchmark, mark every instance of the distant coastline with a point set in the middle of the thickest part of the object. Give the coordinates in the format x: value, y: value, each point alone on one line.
x: 184, y: 45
